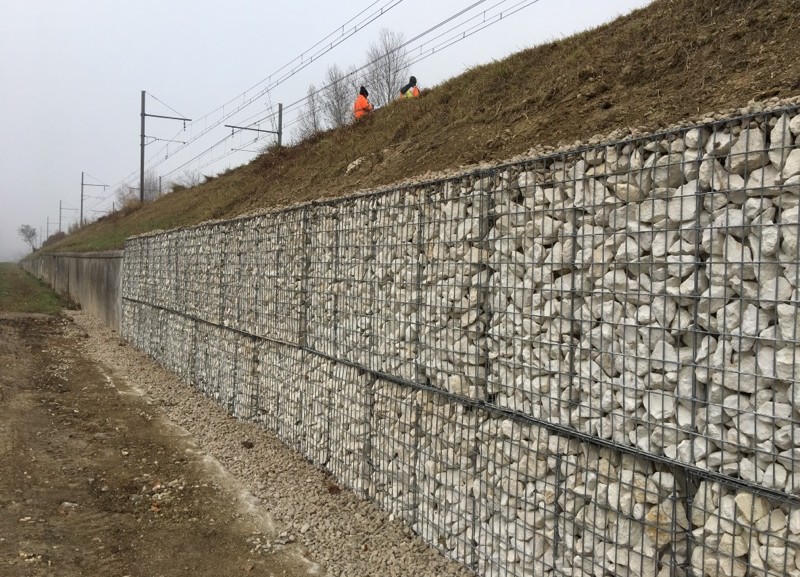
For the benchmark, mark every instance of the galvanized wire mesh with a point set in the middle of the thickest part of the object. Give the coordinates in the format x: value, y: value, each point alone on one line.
x: 582, y: 364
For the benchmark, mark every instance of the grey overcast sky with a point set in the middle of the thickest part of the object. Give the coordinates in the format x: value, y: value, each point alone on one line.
x: 72, y: 72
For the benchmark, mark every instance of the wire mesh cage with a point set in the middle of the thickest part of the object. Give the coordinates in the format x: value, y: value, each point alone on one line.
x: 322, y: 292
x: 392, y: 452
x: 582, y: 364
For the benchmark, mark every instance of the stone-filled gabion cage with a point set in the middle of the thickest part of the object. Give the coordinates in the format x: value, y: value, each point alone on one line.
x: 583, y: 364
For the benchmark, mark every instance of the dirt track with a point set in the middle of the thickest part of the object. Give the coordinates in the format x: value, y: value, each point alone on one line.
x: 109, y: 467
x: 93, y: 480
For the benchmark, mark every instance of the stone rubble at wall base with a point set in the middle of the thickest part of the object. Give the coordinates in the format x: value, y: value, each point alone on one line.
x: 643, y: 293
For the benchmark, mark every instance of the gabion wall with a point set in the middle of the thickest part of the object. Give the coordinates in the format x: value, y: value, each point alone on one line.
x: 582, y: 364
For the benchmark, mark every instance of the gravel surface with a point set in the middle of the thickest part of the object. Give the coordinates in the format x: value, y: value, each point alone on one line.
x: 96, y: 481
x: 348, y: 536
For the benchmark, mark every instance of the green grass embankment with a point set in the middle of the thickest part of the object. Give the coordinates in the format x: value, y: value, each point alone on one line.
x: 22, y: 293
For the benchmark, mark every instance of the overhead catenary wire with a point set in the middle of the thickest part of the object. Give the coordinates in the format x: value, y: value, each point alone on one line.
x: 131, y: 175
x: 388, y: 5
x: 304, y: 61
x: 94, y: 178
x: 297, y: 69
x: 487, y: 21
x: 493, y: 19
x: 344, y: 31
x: 396, y: 49
x: 165, y: 104
x: 355, y: 71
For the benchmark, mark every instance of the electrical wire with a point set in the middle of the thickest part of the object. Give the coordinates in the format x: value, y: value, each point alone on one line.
x: 94, y: 178
x: 485, y: 23
x: 165, y: 104
x: 304, y: 62
x: 394, y: 50
x: 461, y: 36
x: 344, y: 31
x: 363, y: 67
x: 478, y: 16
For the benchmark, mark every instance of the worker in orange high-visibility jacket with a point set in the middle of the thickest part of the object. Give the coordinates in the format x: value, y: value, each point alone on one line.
x: 410, y: 90
x: 362, y: 107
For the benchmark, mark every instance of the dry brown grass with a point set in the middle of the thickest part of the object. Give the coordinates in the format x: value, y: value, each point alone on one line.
x: 672, y: 60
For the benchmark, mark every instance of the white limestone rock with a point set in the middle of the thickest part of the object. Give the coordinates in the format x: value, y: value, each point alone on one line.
x: 792, y: 185
x: 696, y: 137
x: 781, y: 141
x: 628, y: 191
x: 719, y: 143
x: 791, y: 166
x: 682, y: 206
x: 667, y: 171
x: 748, y: 152
x: 794, y: 124
x: 691, y: 163
x: 786, y: 360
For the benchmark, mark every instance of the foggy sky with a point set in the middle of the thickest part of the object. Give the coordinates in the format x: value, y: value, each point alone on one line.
x: 71, y: 74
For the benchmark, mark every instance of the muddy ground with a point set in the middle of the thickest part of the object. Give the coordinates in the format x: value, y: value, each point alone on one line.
x: 110, y: 466
x: 94, y: 481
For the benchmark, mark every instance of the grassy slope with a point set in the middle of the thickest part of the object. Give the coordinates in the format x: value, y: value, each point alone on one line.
x: 22, y: 293
x: 673, y: 60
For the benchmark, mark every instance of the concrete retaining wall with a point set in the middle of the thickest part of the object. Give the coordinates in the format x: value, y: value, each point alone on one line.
x: 93, y: 280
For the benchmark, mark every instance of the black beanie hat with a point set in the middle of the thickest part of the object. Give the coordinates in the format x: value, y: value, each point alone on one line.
x: 363, y: 92
x: 412, y: 81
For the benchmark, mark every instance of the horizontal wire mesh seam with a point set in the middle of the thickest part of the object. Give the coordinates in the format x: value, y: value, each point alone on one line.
x: 602, y: 343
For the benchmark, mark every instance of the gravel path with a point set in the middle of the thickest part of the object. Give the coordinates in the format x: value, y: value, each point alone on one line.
x: 348, y: 536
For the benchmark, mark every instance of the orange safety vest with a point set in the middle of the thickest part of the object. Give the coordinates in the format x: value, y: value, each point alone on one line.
x: 412, y: 92
x: 362, y: 107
